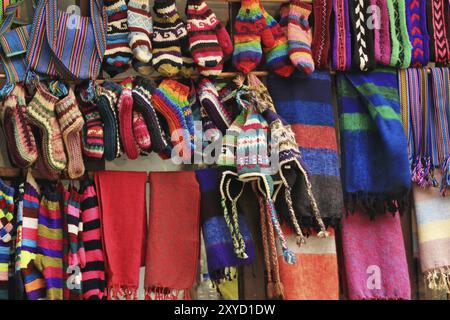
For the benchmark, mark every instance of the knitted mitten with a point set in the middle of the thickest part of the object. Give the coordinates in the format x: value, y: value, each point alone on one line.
x: 142, y: 96
x: 50, y: 242
x: 168, y: 28
x: 19, y: 137
x: 141, y: 132
x: 93, y: 145
x: 300, y: 36
x: 209, y: 100
x: 106, y: 103
x: 41, y: 112
x: 118, y: 53
x: 250, y: 29
x: 170, y: 99
x: 71, y: 123
x: 125, y: 107
x: 140, y: 25
x: 277, y: 56
x: 209, y: 41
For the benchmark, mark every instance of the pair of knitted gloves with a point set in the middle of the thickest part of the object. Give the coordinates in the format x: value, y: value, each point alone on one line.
x: 286, y: 45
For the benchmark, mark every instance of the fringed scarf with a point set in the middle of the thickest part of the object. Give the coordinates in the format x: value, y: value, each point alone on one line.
x: 342, y: 48
x: 401, y: 46
x: 416, y: 19
x: 123, y: 218
x: 374, y: 149
x: 306, y: 105
x: 374, y: 258
x: 438, y: 22
x: 363, y: 55
x: 382, y: 34
x: 173, y: 242
x: 433, y: 225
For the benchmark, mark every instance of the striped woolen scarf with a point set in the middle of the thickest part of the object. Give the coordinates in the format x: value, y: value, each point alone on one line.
x: 376, y: 174
x: 6, y: 216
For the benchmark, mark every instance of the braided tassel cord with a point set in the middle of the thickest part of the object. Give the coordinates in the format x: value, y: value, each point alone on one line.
x: 300, y: 238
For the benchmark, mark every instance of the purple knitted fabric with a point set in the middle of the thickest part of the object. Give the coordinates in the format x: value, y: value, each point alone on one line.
x: 342, y: 44
x: 382, y: 34
x: 416, y: 19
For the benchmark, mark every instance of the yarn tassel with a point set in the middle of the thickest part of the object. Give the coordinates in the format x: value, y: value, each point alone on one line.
x: 278, y: 290
x: 445, y: 182
x: 438, y: 279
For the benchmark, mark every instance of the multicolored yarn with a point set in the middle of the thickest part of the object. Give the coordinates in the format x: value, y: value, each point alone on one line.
x: 140, y: 25
x: 17, y: 287
x: 33, y: 280
x: 382, y: 32
x: 171, y: 100
x: 93, y: 272
x: 250, y: 28
x: 49, y: 257
x: 41, y: 112
x: 141, y: 132
x: 401, y: 46
x: 118, y: 53
x: 416, y: 18
x: 321, y: 38
x: 342, y: 50
x: 376, y: 175
x: 437, y: 18
x: 71, y: 123
x: 6, y: 228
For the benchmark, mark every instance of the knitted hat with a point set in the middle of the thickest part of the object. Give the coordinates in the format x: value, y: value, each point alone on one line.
x: 142, y: 98
x: 71, y: 123
x: 140, y: 24
x: 125, y: 108
x: 19, y: 137
x: 93, y: 145
x: 41, y: 112
x: 107, y: 99
x: 141, y: 132
x: 209, y: 99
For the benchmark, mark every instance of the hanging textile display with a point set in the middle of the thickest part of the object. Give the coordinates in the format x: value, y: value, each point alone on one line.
x: 382, y: 274
x: 416, y: 19
x: 376, y: 175
x: 6, y: 228
x: 382, y: 33
x: 122, y: 258
x: 342, y: 49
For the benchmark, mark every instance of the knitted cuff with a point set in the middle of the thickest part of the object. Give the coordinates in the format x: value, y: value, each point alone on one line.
x: 342, y: 50
x: 321, y: 39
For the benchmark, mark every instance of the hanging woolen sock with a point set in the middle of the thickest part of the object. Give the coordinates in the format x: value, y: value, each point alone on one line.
x: 300, y: 36
x: 141, y: 132
x: 50, y: 242
x: 167, y: 30
x: 106, y: 103
x: 140, y: 24
x: 209, y: 41
x: 250, y: 29
x: 41, y: 112
x: 321, y: 38
x: 125, y: 107
x: 118, y: 53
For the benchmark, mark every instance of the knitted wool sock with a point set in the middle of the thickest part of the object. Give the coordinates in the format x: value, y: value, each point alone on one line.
x: 143, y: 68
x: 106, y: 104
x: 170, y: 100
x: 71, y: 123
x: 19, y: 137
x: 439, y: 39
x: 142, y: 96
x: 277, y: 56
x: 250, y: 29
x: 50, y: 243
x: 41, y: 166
x: 93, y: 145
x: 118, y: 53
x: 209, y: 41
x: 34, y: 282
x: 41, y: 112
x: 300, y: 36
x: 167, y: 30
x: 140, y: 25
x: 125, y: 106
x: 321, y: 38
x: 6, y: 228
x: 141, y: 132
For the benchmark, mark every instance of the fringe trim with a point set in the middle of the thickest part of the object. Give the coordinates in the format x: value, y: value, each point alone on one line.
x: 422, y: 172
x: 158, y: 293
x: 438, y: 279
x: 120, y: 292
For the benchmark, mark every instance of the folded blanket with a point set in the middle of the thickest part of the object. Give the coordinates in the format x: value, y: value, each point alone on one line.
x: 316, y: 261
x: 123, y: 235
x: 173, y: 243
x: 374, y: 149
x: 374, y: 258
x: 433, y: 225
x: 306, y: 104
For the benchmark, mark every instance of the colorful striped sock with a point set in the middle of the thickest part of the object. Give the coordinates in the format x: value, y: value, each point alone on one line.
x: 300, y: 36
x: 34, y: 282
x: 141, y: 132
x: 50, y: 242
x: 93, y: 272
x: 6, y: 228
